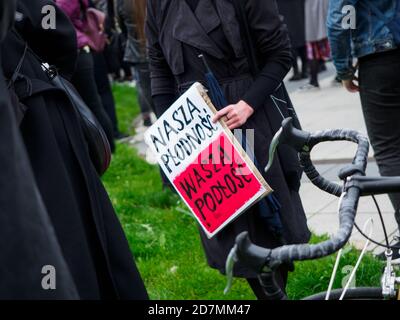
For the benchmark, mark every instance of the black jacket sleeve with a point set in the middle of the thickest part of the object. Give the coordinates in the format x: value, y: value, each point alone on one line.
x: 162, y: 79
x: 272, y: 44
x: 55, y: 46
x: 7, y: 14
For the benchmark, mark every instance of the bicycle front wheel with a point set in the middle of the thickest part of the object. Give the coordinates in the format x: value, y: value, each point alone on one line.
x: 366, y: 293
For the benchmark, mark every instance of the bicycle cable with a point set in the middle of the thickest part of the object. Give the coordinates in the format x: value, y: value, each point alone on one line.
x: 387, y: 245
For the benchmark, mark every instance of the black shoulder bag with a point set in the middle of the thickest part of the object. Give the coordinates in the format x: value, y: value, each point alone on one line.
x: 98, y: 144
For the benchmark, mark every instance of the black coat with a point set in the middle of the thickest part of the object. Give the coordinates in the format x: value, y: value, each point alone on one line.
x: 294, y: 17
x: 176, y: 36
x: 27, y: 239
x: 87, y: 229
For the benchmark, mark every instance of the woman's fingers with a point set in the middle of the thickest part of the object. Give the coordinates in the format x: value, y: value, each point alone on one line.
x: 231, y: 121
x: 234, y: 125
x: 222, y: 113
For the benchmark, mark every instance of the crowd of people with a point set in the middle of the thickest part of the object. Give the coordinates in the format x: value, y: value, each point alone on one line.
x: 54, y: 208
x: 306, y: 23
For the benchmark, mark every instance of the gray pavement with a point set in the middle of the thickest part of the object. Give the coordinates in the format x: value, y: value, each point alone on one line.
x: 329, y: 107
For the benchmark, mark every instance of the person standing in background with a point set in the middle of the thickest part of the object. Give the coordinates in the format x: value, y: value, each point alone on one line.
x: 84, y: 77
x: 101, y: 75
x: 132, y: 13
x: 376, y: 45
x: 318, y: 51
x: 294, y: 15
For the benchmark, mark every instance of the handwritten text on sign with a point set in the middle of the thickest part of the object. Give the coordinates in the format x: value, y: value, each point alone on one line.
x: 201, y: 159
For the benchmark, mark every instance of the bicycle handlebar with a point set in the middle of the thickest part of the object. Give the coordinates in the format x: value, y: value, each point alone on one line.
x: 304, y: 142
x: 262, y: 259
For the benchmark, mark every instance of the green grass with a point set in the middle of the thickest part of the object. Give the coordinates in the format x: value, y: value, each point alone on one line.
x: 127, y: 108
x: 166, y: 243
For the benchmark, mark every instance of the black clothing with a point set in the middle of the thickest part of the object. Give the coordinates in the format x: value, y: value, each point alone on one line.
x: 222, y: 45
x: 193, y: 4
x: 176, y: 36
x: 7, y: 13
x: 143, y: 84
x: 90, y: 236
x: 135, y: 51
x: 27, y: 239
x: 293, y: 13
x: 379, y: 77
x: 84, y: 81
x: 104, y: 89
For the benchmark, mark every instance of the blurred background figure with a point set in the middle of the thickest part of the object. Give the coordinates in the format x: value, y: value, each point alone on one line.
x: 117, y: 32
x: 84, y: 78
x: 294, y: 15
x: 132, y: 14
x: 318, y: 50
x: 126, y: 50
x: 101, y: 68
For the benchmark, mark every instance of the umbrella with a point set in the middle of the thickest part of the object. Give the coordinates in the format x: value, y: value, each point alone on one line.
x: 214, y: 89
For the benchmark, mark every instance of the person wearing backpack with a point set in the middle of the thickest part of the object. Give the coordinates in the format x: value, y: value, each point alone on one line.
x: 369, y: 30
x: 178, y: 31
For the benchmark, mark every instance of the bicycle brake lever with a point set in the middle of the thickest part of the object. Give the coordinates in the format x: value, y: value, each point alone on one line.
x: 272, y: 149
x: 230, y: 263
x: 290, y: 136
x: 294, y: 137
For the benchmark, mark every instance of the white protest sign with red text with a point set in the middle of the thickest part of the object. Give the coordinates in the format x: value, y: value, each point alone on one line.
x: 204, y: 162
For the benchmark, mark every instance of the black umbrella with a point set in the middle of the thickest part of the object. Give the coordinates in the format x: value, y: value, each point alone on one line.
x: 214, y: 89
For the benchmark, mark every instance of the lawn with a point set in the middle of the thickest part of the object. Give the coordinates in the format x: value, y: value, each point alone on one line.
x: 166, y: 243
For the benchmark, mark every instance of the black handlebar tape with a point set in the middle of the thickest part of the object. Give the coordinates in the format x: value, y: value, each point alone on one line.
x: 360, y: 158
x: 301, y: 252
x: 256, y: 257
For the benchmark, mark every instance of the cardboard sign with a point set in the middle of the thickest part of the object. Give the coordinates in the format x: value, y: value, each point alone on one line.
x: 205, y: 163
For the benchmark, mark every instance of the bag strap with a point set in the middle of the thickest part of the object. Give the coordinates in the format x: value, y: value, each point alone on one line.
x: 247, y: 39
x: 17, y: 70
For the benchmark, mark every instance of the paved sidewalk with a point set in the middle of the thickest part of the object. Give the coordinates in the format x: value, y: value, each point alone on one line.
x: 329, y: 107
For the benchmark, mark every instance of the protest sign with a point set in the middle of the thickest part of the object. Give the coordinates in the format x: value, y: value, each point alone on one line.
x: 204, y: 162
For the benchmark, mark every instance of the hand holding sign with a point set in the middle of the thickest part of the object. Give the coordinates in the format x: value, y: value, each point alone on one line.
x: 235, y: 115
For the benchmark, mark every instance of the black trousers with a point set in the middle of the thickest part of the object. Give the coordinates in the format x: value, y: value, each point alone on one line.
x: 84, y: 81
x: 104, y: 89
x: 142, y: 74
x: 379, y: 77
